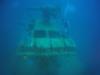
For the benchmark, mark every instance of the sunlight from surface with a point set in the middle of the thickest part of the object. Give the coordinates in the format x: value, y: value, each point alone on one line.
x: 69, y: 9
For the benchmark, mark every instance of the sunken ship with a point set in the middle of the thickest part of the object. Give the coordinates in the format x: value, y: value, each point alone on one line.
x: 48, y: 48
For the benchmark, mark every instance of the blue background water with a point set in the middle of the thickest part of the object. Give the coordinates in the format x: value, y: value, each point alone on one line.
x: 83, y: 16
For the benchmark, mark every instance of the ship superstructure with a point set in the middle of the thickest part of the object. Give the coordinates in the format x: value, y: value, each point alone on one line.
x: 47, y: 42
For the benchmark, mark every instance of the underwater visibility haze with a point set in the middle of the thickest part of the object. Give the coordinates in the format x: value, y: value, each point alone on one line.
x: 49, y: 37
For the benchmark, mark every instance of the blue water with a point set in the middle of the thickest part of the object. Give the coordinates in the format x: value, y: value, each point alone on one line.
x: 82, y: 15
